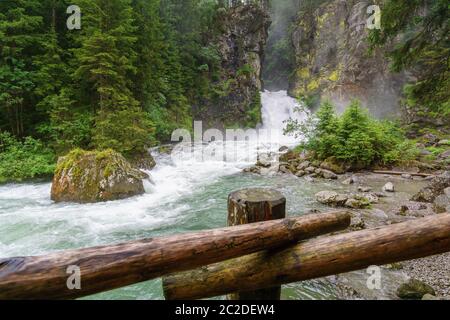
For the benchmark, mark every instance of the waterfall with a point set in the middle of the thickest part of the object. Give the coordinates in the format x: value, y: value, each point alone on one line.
x: 32, y: 224
x: 277, y: 107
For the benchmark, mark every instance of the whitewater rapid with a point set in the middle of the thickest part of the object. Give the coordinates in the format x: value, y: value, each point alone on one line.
x: 31, y: 224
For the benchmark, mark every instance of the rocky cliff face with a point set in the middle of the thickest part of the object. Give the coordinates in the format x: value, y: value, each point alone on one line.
x: 241, y: 48
x: 332, y: 60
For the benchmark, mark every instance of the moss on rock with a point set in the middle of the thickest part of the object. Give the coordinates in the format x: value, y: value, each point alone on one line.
x: 95, y: 176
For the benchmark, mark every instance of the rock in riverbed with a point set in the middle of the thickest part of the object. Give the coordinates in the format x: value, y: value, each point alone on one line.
x: 349, y: 181
x: 389, y: 187
x: 353, y: 201
x: 92, y: 176
x: 329, y: 198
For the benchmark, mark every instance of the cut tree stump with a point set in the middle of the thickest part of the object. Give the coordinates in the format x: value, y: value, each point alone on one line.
x: 315, y: 258
x: 250, y: 206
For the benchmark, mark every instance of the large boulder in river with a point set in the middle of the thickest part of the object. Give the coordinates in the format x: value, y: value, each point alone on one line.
x: 435, y: 188
x: 95, y: 176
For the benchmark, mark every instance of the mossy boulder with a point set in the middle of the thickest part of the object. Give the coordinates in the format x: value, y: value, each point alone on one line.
x: 95, y: 176
x: 414, y: 290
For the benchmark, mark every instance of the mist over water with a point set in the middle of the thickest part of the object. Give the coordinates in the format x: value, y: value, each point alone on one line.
x: 279, y: 60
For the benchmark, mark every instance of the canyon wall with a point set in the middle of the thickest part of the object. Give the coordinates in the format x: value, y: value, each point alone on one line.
x: 241, y: 44
x: 333, y: 62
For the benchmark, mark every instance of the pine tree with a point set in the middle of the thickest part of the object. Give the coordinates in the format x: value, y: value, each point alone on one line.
x: 18, y: 38
x: 158, y: 86
x: 106, y: 60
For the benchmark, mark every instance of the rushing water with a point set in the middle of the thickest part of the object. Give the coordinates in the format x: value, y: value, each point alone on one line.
x: 186, y: 195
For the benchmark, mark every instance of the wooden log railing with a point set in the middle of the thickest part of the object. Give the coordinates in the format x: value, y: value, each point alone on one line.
x: 109, y: 267
x: 315, y: 258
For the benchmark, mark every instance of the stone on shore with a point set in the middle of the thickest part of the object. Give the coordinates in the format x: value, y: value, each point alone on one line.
x: 414, y: 290
x: 435, y: 188
x: 441, y: 204
x: 333, y: 165
x: 327, y: 174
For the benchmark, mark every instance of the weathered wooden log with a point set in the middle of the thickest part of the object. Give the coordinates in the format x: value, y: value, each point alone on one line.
x: 250, y: 206
x: 109, y: 267
x: 399, y: 173
x: 315, y: 258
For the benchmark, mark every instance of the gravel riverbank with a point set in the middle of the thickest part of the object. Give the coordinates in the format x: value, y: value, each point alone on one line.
x: 434, y: 271
x: 395, y: 207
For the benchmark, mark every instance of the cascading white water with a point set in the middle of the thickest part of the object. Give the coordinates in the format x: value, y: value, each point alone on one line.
x: 31, y: 224
x: 277, y: 107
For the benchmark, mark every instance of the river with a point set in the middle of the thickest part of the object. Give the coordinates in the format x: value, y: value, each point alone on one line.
x: 186, y: 195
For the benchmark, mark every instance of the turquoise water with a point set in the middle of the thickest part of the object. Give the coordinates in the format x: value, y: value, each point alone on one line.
x: 31, y: 224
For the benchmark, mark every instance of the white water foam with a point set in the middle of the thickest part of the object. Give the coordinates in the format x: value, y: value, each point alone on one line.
x: 30, y: 223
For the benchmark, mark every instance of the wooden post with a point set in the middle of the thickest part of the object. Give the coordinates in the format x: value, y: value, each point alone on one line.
x: 110, y: 267
x: 250, y: 206
x: 315, y: 258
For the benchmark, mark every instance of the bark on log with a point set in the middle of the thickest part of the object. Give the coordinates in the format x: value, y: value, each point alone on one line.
x: 399, y: 173
x: 109, y: 267
x: 315, y: 258
x: 250, y: 206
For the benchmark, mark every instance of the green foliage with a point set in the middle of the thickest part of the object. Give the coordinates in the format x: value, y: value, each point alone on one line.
x: 106, y: 61
x: 125, y: 131
x: 17, y: 37
x: 126, y: 80
x: 21, y: 160
x: 353, y: 138
x: 254, y: 116
x: 245, y: 70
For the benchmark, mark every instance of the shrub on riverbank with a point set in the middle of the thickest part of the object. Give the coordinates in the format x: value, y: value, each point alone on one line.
x: 23, y: 160
x: 354, y: 138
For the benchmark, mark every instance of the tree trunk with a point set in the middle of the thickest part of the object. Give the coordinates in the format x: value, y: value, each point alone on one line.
x: 398, y: 173
x: 315, y: 258
x: 256, y: 205
x: 110, y: 267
